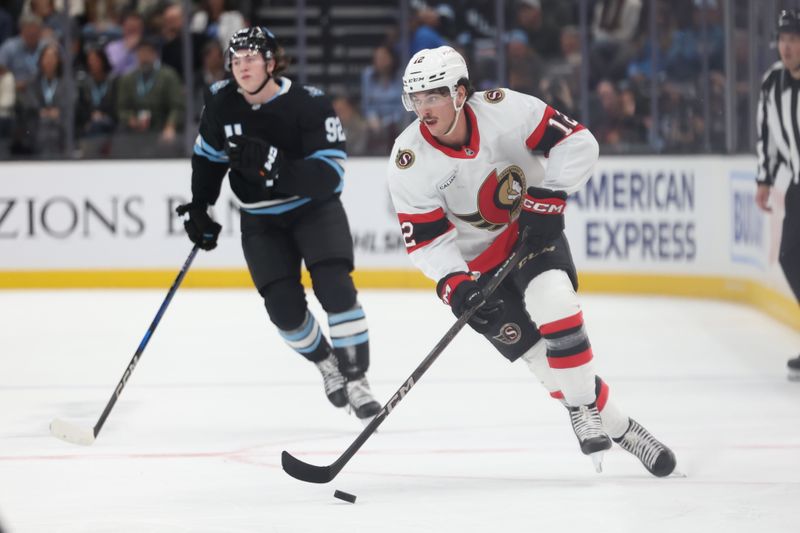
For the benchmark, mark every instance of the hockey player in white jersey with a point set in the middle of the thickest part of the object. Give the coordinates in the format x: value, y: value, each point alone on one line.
x: 465, y: 179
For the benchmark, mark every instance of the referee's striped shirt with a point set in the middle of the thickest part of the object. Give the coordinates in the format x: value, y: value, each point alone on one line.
x: 778, y: 124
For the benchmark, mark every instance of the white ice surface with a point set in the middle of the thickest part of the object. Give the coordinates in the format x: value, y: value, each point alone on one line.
x: 477, y: 446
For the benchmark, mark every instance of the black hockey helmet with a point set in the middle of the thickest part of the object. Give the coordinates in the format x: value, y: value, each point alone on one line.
x: 788, y: 22
x: 258, y: 39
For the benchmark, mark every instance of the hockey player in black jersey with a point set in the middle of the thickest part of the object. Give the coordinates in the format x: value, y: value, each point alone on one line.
x: 283, y: 146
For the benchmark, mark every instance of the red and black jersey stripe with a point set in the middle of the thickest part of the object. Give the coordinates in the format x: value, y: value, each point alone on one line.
x: 420, y: 229
x: 552, y: 129
x: 567, y: 343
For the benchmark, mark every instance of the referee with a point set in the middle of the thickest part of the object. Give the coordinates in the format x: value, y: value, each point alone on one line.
x: 779, y: 144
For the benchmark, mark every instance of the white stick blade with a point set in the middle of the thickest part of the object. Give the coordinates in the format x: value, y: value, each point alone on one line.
x: 70, y: 432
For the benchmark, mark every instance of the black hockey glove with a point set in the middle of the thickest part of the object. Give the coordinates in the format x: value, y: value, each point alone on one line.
x: 543, y: 214
x: 200, y: 227
x: 255, y: 158
x: 462, y: 293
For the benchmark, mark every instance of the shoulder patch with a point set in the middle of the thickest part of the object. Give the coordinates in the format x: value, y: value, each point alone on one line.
x: 217, y: 85
x: 313, y: 91
x: 494, y: 96
x: 404, y: 159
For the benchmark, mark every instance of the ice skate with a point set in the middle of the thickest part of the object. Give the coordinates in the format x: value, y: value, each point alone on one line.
x: 361, y: 400
x: 656, y: 458
x: 333, y: 380
x: 588, y: 428
x: 794, y: 368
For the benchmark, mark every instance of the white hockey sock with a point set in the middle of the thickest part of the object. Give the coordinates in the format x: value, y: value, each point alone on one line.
x: 615, y: 422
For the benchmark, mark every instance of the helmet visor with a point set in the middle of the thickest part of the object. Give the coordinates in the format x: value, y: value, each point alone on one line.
x: 420, y: 101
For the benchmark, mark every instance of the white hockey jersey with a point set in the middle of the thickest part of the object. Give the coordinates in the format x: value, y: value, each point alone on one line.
x: 458, y: 208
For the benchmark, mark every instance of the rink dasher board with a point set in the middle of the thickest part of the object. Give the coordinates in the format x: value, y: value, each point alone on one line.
x: 641, y: 224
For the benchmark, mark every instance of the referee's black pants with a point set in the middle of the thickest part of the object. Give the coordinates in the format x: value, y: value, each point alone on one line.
x: 790, y: 241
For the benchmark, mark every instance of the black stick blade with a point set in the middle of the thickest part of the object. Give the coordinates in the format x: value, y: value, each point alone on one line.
x: 304, y: 471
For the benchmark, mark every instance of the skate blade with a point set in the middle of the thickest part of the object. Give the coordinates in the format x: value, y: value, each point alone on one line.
x: 678, y: 473
x: 597, y: 460
x: 793, y: 376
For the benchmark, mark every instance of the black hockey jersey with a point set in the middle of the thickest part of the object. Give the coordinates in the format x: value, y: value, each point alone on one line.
x: 299, y: 121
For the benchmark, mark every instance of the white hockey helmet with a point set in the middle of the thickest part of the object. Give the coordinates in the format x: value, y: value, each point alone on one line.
x: 431, y: 69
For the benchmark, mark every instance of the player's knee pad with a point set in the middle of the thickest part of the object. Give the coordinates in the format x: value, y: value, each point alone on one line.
x: 550, y: 297
x: 333, y: 285
x: 285, y: 300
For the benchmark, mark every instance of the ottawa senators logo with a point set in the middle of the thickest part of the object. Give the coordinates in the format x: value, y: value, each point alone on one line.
x: 499, y: 199
x: 404, y: 159
x: 494, y: 96
x: 510, y: 333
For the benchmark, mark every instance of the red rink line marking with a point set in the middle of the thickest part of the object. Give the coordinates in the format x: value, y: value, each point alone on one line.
x: 277, y: 446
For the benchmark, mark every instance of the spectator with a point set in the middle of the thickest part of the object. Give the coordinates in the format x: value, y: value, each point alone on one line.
x: 381, y: 102
x: 20, y: 54
x: 426, y: 34
x: 150, y: 101
x: 561, y: 82
x: 122, y: 52
x: 355, y: 127
x: 214, y: 21
x: 172, y: 41
x: 102, y: 22
x: 6, y: 25
x: 633, y: 132
x: 543, y: 35
x: 524, y: 64
x: 615, y: 24
x: 616, y: 21
x: 213, y: 71
x: 606, y: 116
x: 43, y: 108
x: 54, y: 22
x: 96, y: 108
x: 7, y: 101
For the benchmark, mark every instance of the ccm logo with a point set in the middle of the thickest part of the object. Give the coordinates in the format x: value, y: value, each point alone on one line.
x: 543, y: 208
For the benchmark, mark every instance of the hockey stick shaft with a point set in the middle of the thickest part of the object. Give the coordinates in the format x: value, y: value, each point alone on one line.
x: 146, y: 339
x: 323, y: 474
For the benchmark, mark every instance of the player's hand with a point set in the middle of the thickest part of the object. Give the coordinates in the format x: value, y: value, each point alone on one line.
x: 762, y: 197
x: 200, y: 227
x: 543, y: 214
x: 462, y: 293
x: 255, y: 157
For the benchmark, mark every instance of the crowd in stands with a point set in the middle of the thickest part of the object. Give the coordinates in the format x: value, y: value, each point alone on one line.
x: 130, y: 95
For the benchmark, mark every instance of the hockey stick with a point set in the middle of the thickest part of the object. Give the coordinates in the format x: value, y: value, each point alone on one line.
x: 80, y: 435
x: 323, y: 474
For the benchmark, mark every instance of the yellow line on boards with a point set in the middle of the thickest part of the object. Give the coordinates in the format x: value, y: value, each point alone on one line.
x: 750, y: 292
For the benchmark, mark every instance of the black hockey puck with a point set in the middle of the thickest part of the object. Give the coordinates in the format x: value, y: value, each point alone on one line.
x: 346, y: 496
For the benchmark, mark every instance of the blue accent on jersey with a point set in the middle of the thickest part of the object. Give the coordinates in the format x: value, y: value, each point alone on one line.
x: 303, y: 333
x: 313, y: 346
x: 336, y: 166
x: 217, y: 85
x: 202, y: 148
x: 338, y: 318
x: 326, y: 155
x: 331, y: 152
x: 277, y: 209
x: 350, y: 341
